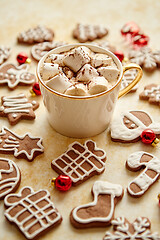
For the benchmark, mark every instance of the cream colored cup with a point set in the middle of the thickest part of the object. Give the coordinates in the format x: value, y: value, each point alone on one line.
x: 86, y: 116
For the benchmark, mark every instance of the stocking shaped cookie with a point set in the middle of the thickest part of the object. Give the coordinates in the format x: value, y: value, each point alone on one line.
x: 80, y: 162
x: 124, y: 230
x: 12, y: 75
x: 18, y: 107
x: 129, y: 126
x: 32, y: 212
x: 24, y: 146
x: 10, y: 177
x: 100, y: 212
x: 150, y: 174
x: 151, y: 93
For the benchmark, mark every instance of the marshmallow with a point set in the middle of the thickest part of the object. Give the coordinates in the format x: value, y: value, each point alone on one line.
x: 50, y: 70
x: 56, y: 58
x: 77, y: 90
x: 110, y: 73
x: 86, y: 73
x: 67, y: 71
x: 76, y: 59
x: 98, y: 85
x: 59, y: 83
x: 101, y: 60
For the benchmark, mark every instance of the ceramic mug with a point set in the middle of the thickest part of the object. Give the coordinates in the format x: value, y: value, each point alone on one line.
x: 83, y: 116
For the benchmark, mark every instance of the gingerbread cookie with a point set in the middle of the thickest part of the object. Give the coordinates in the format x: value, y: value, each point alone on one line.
x: 37, y: 34
x: 4, y: 53
x: 18, y: 107
x: 139, y: 229
x: 150, y: 174
x: 40, y: 49
x: 80, y: 162
x: 100, y: 212
x: 86, y: 33
x: 25, y: 146
x: 151, y: 93
x: 32, y: 212
x: 10, y: 177
x: 129, y: 126
x: 128, y: 77
x: 13, y: 75
x: 146, y: 58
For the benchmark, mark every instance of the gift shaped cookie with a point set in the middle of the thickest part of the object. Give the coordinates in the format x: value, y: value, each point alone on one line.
x: 12, y: 75
x: 10, y: 177
x: 129, y: 126
x: 25, y: 146
x: 86, y: 33
x: 80, y: 162
x: 139, y: 229
x: 147, y: 177
x: 151, y: 93
x: 18, y: 107
x: 32, y: 212
x: 100, y: 212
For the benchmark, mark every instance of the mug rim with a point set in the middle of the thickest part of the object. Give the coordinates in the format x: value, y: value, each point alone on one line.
x: 67, y: 48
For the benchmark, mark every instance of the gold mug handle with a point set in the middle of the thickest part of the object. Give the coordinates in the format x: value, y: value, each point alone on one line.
x: 135, y: 81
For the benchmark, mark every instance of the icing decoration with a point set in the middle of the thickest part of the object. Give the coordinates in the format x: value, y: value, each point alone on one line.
x: 32, y: 212
x: 4, y: 53
x: 150, y: 174
x: 123, y: 229
x: 18, y: 107
x: 9, y: 177
x: 99, y: 188
x: 121, y: 131
x: 80, y: 161
x: 13, y: 75
x: 20, y: 145
x: 23, y: 58
x: 62, y: 183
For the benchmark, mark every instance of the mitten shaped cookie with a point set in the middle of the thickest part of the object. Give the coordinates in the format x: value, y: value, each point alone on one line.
x: 100, y: 212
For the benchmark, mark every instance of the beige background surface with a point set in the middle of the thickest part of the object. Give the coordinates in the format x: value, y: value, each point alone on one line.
x: 62, y: 16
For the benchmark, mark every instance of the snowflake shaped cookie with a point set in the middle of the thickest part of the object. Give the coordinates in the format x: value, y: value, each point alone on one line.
x: 139, y: 229
x: 86, y: 33
x: 13, y: 75
x: 146, y: 58
x: 4, y: 53
x: 24, y: 146
x: 151, y: 93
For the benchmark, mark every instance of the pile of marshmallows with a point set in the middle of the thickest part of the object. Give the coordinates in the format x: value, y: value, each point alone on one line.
x: 79, y: 72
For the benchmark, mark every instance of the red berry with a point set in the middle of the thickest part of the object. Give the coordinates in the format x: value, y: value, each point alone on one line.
x: 120, y: 55
x: 36, y: 89
x: 130, y: 28
x: 63, y: 183
x: 140, y: 40
x: 22, y: 57
x: 148, y: 136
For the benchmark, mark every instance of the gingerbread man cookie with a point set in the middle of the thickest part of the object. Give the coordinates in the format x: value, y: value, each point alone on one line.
x: 13, y: 75
x: 150, y: 174
x: 4, y: 53
x: 151, y: 93
x: 100, y: 212
x: 80, y: 162
x: 139, y: 229
x: 18, y: 107
x: 129, y: 126
x: 40, y: 49
x: 32, y: 212
x: 146, y: 58
x: 36, y: 35
x: 24, y: 146
x: 10, y: 177
x: 86, y: 33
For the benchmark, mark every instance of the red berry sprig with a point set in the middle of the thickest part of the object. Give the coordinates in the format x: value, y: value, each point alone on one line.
x: 63, y: 183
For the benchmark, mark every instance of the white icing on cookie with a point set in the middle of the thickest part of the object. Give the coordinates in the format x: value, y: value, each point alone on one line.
x: 100, y: 187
